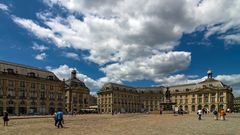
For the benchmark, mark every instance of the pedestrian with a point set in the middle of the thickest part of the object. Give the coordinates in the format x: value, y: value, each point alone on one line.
x: 199, y: 113
x: 59, y: 119
x: 222, y: 114
x: 55, y: 118
x: 215, y: 113
x: 5, y: 118
x: 181, y: 111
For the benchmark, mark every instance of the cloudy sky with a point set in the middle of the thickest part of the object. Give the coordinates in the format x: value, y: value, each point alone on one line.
x: 133, y: 42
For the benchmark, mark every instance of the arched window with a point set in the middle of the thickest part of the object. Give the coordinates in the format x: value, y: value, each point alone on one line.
x: 193, y: 108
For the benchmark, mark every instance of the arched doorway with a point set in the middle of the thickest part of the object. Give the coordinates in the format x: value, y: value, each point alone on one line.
x: 22, y: 108
x: 199, y: 107
x: 42, y: 108
x: 11, y: 108
x: 206, y: 108
x: 51, y: 108
x: 221, y: 106
x: 213, y: 107
x: 186, y: 108
x: 193, y: 108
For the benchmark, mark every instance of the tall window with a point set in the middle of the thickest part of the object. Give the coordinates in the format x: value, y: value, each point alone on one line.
x: 42, y: 94
x: 206, y: 98
x: 199, y: 100
x: 180, y: 101
x: 221, y: 99
x: 11, y: 92
x: 212, y: 99
x: 59, y: 96
x: 51, y: 96
x: 22, y: 84
x: 21, y: 93
x: 33, y: 94
x: 42, y: 86
x: 186, y: 101
x: 75, y: 100
x: 33, y: 85
x: 10, y: 83
x: 51, y: 87
x: 193, y: 100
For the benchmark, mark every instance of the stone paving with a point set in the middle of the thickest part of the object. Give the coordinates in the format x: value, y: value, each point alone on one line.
x: 125, y: 124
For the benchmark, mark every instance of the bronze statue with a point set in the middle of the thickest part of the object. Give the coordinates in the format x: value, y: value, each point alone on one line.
x: 167, y: 94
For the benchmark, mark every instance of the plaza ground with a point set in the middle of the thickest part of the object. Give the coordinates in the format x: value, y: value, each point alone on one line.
x: 125, y: 124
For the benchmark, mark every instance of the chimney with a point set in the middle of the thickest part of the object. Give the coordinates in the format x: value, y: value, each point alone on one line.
x: 73, y: 74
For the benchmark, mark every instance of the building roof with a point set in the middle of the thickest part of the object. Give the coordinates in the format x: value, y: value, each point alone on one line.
x: 25, y: 70
x: 74, y: 82
x: 207, y: 83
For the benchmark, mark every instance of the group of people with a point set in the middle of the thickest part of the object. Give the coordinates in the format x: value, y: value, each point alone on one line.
x: 222, y: 113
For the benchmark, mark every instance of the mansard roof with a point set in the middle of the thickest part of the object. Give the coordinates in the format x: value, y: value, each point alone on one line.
x: 75, y: 83
x: 208, y: 83
x: 120, y: 87
x: 19, y: 69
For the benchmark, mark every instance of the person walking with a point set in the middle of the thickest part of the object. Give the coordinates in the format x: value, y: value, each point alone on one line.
x: 222, y: 114
x: 215, y: 113
x: 161, y: 110
x: 199, y: 113
x: 59, y: 116
x: 55, y: 118
x: 5, y: 118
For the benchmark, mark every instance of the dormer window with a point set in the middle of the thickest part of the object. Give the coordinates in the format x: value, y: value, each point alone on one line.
x: 31, y: 74
x: 10, y: 71
x: 50, y: 77
x: 188, y: 90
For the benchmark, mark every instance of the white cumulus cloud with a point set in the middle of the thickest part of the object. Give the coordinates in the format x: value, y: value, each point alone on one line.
x: 64, y: 72
x: 38, y: 47
x: 3, y: 7
x: 71, y: 55
x: 41, y: 56
x: 133, y: 41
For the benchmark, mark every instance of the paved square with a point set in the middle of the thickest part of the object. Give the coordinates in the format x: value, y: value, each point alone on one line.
x: 126, y: 124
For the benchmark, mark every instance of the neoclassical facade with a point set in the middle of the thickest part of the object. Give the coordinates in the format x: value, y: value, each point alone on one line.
x: 236, y: 104
x: 120, y: 98
x: 77, y: 94
x: 29, y: 90
x: 209, y: 94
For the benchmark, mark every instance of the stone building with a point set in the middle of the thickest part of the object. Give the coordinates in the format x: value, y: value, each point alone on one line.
x: 29, y: 90
x: 236, y: 104
x: 120, y: 98
x: 209, y: 94
x: 92, y: 100
x: 77, y: 94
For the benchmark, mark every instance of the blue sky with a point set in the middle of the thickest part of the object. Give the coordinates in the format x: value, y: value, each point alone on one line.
x: 137, y: 43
